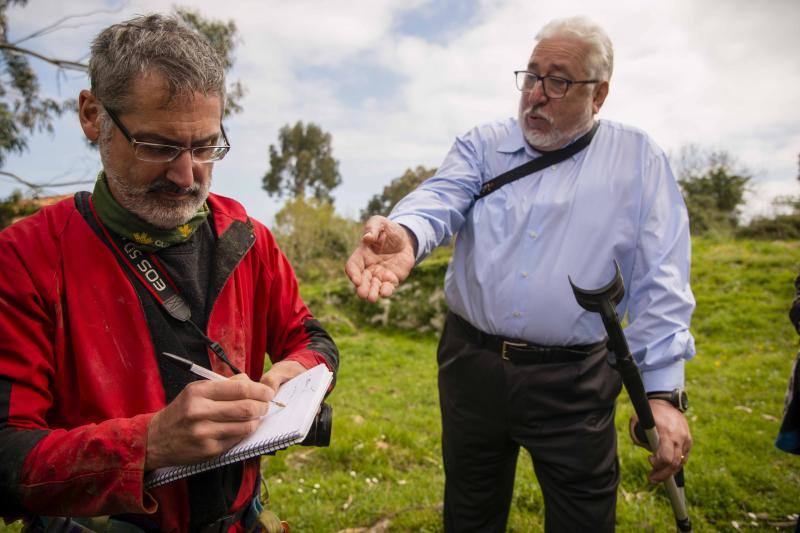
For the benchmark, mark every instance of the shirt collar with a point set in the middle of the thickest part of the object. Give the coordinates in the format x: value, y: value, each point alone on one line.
x: 516, y: 142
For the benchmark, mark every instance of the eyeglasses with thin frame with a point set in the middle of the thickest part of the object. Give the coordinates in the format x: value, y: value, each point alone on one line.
x: 165, y: 153
x: 553, y: 86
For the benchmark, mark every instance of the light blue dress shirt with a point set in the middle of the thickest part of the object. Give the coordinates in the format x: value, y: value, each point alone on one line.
x: 617, y: 199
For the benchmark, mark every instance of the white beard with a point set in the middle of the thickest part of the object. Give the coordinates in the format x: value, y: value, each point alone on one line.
x: 556, y: 137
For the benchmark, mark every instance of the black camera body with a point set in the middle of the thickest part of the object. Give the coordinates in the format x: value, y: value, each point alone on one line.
x: 320, y: 432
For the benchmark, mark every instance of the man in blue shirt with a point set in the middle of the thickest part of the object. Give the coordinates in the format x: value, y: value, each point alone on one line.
x: 520, y: 362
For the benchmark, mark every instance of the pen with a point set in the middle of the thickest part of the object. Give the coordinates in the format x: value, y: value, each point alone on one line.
x: 202, y: 371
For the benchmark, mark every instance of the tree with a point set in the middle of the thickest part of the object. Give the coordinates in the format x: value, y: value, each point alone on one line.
x: 13, y: 208
x: 783, y: 224
x: 315, y: 239
x: 713, y: 188
x: 223, y: 36
x: 398, y: 188
x: 22, y: 110
x: 302, y: 162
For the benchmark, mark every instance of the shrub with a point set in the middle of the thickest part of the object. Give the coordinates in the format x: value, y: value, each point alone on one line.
x: 781, y: 227
x: 315, y: 239
x: 418, y: 304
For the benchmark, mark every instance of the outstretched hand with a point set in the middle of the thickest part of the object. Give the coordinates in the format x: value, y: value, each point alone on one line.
x: 383, y: 259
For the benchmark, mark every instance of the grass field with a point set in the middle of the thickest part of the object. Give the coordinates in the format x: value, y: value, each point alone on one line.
x: 384, y: 470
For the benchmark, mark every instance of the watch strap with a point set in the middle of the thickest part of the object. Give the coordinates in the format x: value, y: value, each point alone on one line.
x: 675, y: 398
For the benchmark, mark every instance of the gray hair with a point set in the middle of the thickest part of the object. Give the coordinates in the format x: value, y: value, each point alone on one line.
x: 601, y: 52
x: 182, y: 57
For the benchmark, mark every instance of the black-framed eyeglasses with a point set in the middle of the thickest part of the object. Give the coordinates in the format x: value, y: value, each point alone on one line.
x: 165, y: 153
x: 553, y: 86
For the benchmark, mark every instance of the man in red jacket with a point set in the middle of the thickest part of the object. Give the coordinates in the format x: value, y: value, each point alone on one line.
x: 94, y: 289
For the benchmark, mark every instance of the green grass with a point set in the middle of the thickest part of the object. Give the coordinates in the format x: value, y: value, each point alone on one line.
x: 384, y: 467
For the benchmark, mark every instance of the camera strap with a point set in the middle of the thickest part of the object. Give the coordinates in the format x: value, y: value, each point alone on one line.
x: 545, y: 160
x: 149, y: 271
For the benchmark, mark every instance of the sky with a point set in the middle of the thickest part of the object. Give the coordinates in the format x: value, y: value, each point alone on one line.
x: 395, y: 81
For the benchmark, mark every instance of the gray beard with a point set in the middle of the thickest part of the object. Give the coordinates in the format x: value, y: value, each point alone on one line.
x: 144, y: 202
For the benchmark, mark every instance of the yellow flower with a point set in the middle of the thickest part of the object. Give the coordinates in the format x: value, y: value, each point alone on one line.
x: 185, y: 230
x: 142, y: 238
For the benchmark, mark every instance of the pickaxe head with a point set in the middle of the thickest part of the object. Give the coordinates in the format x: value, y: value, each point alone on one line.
x: 591, y: 299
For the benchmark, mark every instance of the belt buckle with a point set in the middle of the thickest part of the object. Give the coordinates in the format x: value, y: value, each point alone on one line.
x: 507, y: 344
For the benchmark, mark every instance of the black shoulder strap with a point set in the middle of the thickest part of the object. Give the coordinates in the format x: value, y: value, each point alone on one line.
x: 541, y: 162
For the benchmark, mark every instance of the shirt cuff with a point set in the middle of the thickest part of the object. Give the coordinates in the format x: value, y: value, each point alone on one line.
x: 421, y: 231
x: 666, y: 378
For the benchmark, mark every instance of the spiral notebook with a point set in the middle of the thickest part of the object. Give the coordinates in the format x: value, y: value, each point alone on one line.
x: 279, y: 428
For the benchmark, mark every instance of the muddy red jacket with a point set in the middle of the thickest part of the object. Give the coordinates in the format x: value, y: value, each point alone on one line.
x: 79, y: 378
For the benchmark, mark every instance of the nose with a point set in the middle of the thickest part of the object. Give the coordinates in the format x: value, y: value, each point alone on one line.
x: 535, y: 95
x: 181, y: 170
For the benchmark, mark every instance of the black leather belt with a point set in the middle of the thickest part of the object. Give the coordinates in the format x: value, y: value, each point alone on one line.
x: 528, y: 353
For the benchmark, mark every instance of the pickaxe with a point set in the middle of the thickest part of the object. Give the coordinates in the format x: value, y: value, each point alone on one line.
x: 603, y: 301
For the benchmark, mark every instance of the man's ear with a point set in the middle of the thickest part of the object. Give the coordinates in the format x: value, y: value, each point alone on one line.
x: 600, y: 94
x: 89, y: 115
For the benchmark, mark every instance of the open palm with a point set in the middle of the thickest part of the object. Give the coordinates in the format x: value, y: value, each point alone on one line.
x: 383, y: 259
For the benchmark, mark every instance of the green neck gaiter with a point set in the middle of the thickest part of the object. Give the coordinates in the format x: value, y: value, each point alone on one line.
x: 124, y: 223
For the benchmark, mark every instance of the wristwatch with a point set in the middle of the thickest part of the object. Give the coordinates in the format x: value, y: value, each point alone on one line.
x: 676, y: 397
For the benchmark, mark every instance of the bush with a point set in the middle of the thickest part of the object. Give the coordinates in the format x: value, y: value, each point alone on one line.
x: 315, y: 239
x: 15, y: 207
x: 781, y: 227
x: 418, y: 304
x: 713, y: 187
x: 706, y: 219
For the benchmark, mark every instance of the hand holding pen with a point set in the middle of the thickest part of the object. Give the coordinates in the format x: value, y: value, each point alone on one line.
x: 203, y: 372
x: 205, y: 419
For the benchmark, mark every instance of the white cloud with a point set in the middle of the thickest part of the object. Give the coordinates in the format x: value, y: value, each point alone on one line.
x: 761, y: 196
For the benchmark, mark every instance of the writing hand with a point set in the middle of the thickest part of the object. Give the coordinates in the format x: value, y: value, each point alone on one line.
x: 206, y: 419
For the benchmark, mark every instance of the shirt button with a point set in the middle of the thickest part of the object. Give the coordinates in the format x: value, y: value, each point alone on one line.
x: 517, y: 314
x: 524, y: 274
x: 533, y: 234
x: 554, y: 167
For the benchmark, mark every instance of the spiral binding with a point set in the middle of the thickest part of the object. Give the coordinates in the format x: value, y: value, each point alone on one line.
x: 167, y: 475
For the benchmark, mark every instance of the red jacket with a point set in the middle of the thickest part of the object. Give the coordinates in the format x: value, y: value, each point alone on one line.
x: 79, y: 380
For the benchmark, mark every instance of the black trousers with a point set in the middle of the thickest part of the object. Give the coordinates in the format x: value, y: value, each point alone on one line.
x: 561, y: 413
